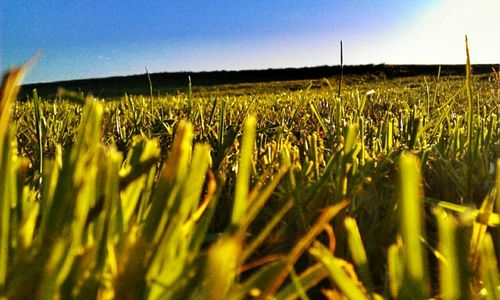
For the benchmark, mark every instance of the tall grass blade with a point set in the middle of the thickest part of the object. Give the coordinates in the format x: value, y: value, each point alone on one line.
x: 150, y: 93
x: 449, y: 268
x: 190, y: 99
x: 244, y: 172
x: 8, y: 197
x: 468, y: 87
x: 8, y: 169
x: 39, y: 130
x: 410, y: 197
x: 341, y: 69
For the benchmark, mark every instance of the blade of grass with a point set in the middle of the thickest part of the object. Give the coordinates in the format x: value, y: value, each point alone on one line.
x: 307, y: 279
x: 337, y: 273
x: 394, y: 270
x: 358, y: 252
x: 38, y: 131
x: 449, y: 270
x: 8, y: 93
x: 244, y: 171
x: 173, y: 172
x: 470, y: 116
x: 479, y: 228
x: 414, y: 281
x: 8, y: 196
x: 489, y: 271
x: 316, y: 113
x: 301, y: 292
x: 488, y: 219
x: 222, y: 262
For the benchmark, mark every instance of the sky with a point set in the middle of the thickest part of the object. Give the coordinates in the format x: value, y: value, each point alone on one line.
x: 101, y: 38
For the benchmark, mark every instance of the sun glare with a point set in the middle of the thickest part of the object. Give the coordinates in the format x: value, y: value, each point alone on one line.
x: 438, y: 36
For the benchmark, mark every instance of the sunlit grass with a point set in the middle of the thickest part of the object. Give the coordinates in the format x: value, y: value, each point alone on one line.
x: 388, y: 191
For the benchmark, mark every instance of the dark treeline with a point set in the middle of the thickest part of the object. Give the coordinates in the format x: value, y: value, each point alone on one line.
x: 166, y: 82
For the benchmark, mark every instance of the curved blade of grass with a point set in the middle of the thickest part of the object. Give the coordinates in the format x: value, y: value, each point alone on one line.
x: 335, y: 268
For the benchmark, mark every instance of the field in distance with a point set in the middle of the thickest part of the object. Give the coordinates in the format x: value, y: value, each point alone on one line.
x: 235, y: 81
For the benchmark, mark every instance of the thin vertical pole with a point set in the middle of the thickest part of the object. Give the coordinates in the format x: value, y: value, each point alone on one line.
x: 341, y: 68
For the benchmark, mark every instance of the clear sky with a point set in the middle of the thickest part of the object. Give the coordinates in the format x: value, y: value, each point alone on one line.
x: 99, y: 38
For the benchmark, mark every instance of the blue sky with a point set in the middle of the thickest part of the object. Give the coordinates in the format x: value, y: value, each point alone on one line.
x: 99, y: 38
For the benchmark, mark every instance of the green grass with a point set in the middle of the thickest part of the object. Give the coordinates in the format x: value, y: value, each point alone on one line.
x: 389, y: 191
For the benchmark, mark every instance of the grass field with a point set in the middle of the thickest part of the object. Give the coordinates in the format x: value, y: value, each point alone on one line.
x: 387, y: 189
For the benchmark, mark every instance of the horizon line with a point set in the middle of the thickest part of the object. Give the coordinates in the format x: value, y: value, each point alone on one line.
x: 250, y: 70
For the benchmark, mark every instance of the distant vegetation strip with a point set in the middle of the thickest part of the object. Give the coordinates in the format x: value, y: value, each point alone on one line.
x: 174, y: 81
